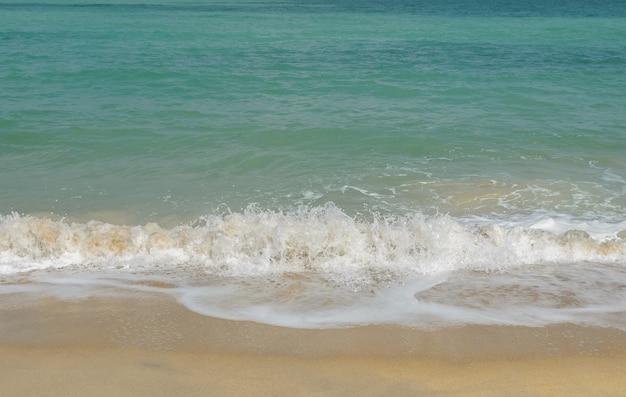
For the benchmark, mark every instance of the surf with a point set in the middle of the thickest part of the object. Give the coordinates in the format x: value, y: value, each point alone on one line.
x: 322, y: 239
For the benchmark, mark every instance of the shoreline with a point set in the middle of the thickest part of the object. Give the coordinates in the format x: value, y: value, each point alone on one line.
x: 150, y: 345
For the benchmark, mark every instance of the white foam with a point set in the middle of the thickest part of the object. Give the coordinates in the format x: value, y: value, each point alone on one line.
x: 580, y: 294
x: 318, y: 267
x: 559, y: 224
x: 322, y: 239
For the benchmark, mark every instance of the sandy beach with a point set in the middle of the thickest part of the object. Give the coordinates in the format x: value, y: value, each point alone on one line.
x: 148, y: 345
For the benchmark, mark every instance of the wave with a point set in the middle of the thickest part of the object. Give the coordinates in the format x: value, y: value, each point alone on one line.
x: 309, y: 239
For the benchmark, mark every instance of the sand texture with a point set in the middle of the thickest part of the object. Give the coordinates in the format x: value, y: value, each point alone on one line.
x: 148, y: 345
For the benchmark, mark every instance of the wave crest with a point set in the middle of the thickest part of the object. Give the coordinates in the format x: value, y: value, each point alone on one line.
x: 322, y: 239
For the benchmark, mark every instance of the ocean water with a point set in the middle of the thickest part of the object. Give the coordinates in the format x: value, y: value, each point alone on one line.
x: 317, y: 164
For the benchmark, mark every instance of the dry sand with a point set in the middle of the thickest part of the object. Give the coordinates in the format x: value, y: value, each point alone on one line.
x: 148, y: 345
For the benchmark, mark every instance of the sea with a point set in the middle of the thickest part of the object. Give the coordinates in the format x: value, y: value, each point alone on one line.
x: 319, y: 163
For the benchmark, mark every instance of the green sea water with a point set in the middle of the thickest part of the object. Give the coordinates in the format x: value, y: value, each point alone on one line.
x: 177, y: 108
x: 356, y: 142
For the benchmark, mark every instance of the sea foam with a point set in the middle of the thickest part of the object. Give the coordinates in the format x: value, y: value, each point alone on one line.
x: 321, y: 239
x: 318, y: 267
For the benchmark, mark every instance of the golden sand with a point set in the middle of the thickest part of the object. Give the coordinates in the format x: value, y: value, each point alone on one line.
x: 148, y: 345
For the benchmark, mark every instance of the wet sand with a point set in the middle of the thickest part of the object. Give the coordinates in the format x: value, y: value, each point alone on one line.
x: 148, y: 345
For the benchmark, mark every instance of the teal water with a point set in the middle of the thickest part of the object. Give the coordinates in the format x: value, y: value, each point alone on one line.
x: 389, y: 138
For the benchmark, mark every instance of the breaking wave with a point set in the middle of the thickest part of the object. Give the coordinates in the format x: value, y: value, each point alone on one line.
x: 321, y: 239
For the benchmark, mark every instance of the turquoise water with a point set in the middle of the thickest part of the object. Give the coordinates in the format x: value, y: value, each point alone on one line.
x: 356, y: 143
